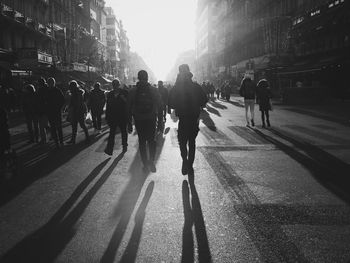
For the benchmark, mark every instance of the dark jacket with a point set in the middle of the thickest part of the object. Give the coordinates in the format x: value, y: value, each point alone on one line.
x: 41, y: 94
x: 97, y: 100
x: 144, y: 89
x: 55, y: 101
x: 264, y: 95
x: 77, y: 106
x: 164, y: 94
x: 187, y: 97
x: 248, y: 89
x: 4, y: 131
x: 30, y: 104
x: 116, y: 108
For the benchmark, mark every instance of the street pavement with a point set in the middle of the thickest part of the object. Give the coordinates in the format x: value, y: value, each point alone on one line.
x: 258, y: 195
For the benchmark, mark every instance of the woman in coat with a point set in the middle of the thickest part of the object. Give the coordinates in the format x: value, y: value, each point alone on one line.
x: 263, y: 99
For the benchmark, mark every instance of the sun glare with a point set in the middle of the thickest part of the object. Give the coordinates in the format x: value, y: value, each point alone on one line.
x: 159, y: 30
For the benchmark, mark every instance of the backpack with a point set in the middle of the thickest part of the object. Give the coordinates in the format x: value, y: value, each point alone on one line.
x: 143, y: 101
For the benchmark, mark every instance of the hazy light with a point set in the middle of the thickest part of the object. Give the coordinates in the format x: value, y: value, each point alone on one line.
x: 159, y: 30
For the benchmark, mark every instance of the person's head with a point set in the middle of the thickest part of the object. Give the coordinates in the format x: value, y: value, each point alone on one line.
x: 29, y: 89
x: 97, y: 85
x: 142, y: 75
x: 42, y: 82
x: 160, y: 83
x: 51, y: 82
x: 184, y: 72
x: 115, y: 83
x: 73, y: 86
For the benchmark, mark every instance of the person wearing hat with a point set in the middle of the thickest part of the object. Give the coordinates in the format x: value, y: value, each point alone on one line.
x: 187, y: 98
x: 144, y: 103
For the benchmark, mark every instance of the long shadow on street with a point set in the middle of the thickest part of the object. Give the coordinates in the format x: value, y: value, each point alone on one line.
x: 193, y: 215
x: 38, y: 163
x: 328, y: 170
x: 126, y: 206
x: 207, y: 120
x: 45, y: 244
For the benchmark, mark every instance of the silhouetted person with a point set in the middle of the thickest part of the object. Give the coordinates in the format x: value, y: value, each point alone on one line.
x: 263, y: 98
x: 117, y: 116
x: 163, y: 110
x: 187, y: 98
x: 144, y: 103
x: 248, y: 91
x: 30, y: 110
x: 55, y: 102
x: 77, y: 110
x: 41, y: 93
x: 97, y: 102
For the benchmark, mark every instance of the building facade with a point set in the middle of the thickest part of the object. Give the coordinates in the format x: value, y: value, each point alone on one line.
x: 271, y: 38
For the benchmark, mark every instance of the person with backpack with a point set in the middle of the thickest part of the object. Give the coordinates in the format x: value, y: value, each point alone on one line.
x: 187, y: 98
x: 143, y: 103
x: 117, y: 116
x: 248, y: 91
x: 55, y: 102
x: 263, y: 99
x: 97, y: 102
x: 77, y: 111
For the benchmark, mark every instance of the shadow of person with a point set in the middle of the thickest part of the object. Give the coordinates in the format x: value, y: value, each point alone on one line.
x: 205, y: 117
x: 45, y: 244
x: 218, y: 105
x: 187, y: 234
x: 127, y: 202
x: 213, y: 110
x: 194, y: 216
x: 236, y: 103
x: 130, y: 252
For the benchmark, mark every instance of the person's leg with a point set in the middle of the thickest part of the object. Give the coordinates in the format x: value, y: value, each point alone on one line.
x: 29, y: 122
x: 42, y: 130
x: 193, y: 132
x: 74, y: 123
x: 53, y: 128
x: 252, y: 110
x: 267, y: 118
x: 124, y: 133
x: 99, y: 120
x: 263, y: 118
x: 94, y: 119
x: 111, y: 138
x: 83, y: 126
x: 59, y: 129
x: 246, y: 106
x: 140, y: 128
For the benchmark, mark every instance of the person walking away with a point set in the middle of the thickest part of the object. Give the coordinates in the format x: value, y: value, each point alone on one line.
x: 29, y: 107
x: 227, y: 91
x: 41, y: 93
x: 187, y: 98
x: 264, y: 100
x: 77, y: 111
x: 117, y: 116
x: 217, y: 93
x: 143, y: 103
x: 248, y: 91
x: 97, y: 102
x: 163, y: 110
x: 55, y: 103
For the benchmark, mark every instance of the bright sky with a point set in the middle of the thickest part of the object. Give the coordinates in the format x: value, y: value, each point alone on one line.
x: 158, y: 30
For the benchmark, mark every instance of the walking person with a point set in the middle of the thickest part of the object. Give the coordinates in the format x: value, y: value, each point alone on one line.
x: 77, y: 111
x: 117, y: 116
x: 187, y: 98
x: 248, y: 91
x: 264, y: 100
x: 41, y: 93
x: 163, y: 110
x: 97, y: 102
x: 55, y: 102
x: 30, y: 110
x: 143, y: 104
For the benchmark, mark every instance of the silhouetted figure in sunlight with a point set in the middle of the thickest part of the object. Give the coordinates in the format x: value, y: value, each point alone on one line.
x: 97, y: 102
x: 55, y: 102
x: 117, y: 116
x: 163, y: 110
x: 77, y: 111
x: 144, y: 103
x: 248, y: 91
x: 263, y: 98
x: 187, y: 98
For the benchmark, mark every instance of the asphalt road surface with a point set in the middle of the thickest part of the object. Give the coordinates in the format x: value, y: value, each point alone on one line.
x: 258, y: 195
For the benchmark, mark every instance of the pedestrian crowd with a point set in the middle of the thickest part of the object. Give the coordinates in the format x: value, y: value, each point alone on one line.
x: 144, y: 105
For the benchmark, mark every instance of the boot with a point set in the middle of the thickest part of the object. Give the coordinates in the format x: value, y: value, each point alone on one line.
x: 72, y: 140
x: 268, y: 123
